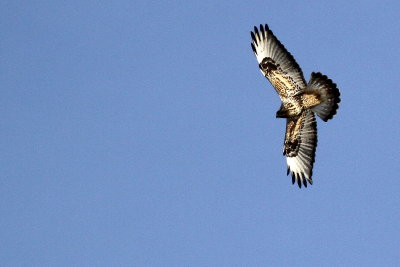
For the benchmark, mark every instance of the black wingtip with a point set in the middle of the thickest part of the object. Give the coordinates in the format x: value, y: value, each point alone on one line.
x: 262, y: 31
x: 256, y: 30
x: 254, y: 48
x: 257, y: 34
x: 304, y: 180
x: 253, y: 37
x: 293, y: 179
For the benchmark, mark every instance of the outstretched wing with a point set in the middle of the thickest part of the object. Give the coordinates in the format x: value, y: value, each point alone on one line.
x: 276, y: 63
x: 299, y: 147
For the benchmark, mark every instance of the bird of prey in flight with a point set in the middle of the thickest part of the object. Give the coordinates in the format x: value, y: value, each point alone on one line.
x: 300, y: 101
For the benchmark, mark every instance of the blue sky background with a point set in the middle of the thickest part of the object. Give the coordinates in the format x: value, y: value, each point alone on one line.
x: 143, y: 134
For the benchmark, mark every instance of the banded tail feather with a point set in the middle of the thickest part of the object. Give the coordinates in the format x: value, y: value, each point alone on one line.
x: 328, y: 93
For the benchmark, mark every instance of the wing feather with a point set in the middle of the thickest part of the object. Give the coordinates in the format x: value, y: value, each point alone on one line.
x: 276, y: 63
x: 299, y: 146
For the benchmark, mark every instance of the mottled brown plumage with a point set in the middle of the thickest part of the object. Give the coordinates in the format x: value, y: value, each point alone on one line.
x: 300, y: 101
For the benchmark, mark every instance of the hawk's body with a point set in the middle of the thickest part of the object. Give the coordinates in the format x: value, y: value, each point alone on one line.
x: 299, y: 101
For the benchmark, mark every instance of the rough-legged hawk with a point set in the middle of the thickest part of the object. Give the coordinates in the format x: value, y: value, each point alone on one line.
x: 300, y: 101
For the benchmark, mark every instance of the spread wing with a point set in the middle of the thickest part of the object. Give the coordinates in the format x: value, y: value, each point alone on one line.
x: 299, y: 147
x: 276, y: 63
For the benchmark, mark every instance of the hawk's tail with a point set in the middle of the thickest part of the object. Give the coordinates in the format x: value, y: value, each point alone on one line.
x: 328, y: 93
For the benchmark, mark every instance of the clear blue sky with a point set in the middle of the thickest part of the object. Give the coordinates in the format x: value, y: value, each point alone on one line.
x: 143, y: 134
